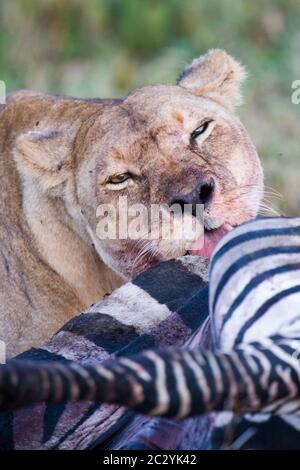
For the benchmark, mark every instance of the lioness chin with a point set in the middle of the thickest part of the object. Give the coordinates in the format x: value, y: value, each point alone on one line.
x: 62, y: 157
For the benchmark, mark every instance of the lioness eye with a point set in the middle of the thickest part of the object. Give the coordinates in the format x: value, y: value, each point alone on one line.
x: 117, y: 179
x: 200, y: 130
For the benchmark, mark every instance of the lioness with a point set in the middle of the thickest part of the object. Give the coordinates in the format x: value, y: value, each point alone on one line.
x: 63, y: 157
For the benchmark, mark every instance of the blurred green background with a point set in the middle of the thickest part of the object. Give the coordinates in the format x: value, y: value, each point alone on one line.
x: 106, y: 48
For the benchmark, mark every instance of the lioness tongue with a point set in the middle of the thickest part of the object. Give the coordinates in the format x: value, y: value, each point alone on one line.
x: 211, y: 239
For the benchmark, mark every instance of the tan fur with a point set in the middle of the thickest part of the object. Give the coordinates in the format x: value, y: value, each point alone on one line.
x: 56, y: 155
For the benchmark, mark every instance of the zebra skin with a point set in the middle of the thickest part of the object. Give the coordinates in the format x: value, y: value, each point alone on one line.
x: 245, y: 375
x: 165, y: 306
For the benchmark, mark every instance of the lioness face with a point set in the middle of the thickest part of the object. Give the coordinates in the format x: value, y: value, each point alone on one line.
x: 162, y: 145
x: 171, y: 145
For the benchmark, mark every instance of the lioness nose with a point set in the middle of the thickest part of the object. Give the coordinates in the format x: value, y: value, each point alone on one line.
x: 201, y: 194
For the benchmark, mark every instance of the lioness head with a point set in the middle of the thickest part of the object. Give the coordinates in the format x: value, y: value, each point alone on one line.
x: 165, y: 144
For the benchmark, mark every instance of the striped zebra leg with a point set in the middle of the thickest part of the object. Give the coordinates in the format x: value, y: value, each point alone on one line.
x: 257, y: 377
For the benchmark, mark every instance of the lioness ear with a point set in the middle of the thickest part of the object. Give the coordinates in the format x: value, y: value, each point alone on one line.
x: 45, y: 155
x: 216, y: 75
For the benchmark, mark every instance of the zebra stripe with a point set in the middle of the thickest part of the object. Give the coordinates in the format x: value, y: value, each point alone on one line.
x: 241, y: 304
x: 129, y: 389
